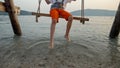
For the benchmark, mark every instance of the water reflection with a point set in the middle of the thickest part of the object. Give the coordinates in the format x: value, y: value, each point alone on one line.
x: 114, y: 53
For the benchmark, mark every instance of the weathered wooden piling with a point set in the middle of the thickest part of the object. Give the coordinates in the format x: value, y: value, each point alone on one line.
x: 116, y: 25
x: 10, y: 8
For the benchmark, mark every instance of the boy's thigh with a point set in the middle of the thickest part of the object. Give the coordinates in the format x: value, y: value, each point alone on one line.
x: 54, y: 14
x: 64, y: 14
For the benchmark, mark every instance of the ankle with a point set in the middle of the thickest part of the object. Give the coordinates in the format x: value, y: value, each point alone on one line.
x: 66, y: 35
x: 51, y: 45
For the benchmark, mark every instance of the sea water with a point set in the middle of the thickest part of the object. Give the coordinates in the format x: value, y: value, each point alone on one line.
x: 90, y: 45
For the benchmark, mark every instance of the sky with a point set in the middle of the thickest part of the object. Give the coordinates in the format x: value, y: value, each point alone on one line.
x: 32, y: 5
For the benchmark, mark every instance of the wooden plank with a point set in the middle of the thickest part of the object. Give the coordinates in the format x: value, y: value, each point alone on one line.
x: 116, y: 25
x: 3, y: 8
x: 13, y: 17
x: 48, y: 15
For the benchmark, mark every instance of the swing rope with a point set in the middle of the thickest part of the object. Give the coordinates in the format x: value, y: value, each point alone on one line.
x: 82, y: 12
x: 38, y: 10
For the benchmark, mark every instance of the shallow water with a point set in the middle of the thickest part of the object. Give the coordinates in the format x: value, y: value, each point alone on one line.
x: 90, y: 46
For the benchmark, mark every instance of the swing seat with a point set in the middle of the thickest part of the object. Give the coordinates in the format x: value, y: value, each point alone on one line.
x: 48, y: 15
x: 82, y: 19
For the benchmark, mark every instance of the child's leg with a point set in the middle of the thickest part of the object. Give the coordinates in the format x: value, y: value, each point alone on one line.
x: 52, y: 31
x: 54, y: 14
x: 68, y: 27
x: 69, y: 18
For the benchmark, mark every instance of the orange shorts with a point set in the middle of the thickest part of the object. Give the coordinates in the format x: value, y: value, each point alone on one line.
x: 55, y: 13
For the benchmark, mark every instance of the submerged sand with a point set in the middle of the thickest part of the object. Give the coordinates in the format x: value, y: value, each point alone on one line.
x: 90, y: 46
x: 20, y: 53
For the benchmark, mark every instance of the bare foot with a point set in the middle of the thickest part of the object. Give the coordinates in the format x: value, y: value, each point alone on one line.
x: 51, y: 45
x: 67, y: 38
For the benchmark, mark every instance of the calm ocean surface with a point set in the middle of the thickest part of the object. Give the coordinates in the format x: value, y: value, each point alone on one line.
x: 90, y: 40
x: 96, y: 31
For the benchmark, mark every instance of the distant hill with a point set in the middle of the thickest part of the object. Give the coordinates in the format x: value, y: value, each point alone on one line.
x: 95, y: 12
x: 88, y: 12
x: 22, y: 12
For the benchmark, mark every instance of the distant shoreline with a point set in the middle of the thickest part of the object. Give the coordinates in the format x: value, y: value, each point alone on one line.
x: 88, y: 12
x: 95, y: 12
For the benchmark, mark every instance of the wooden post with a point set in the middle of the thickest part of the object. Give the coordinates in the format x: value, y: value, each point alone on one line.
x: 10, y: 8
x: 116, y: 25
x: 3, y: 8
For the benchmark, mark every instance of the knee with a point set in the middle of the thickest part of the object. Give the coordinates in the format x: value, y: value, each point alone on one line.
x: 70, y: 18
x: 54, y: 21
